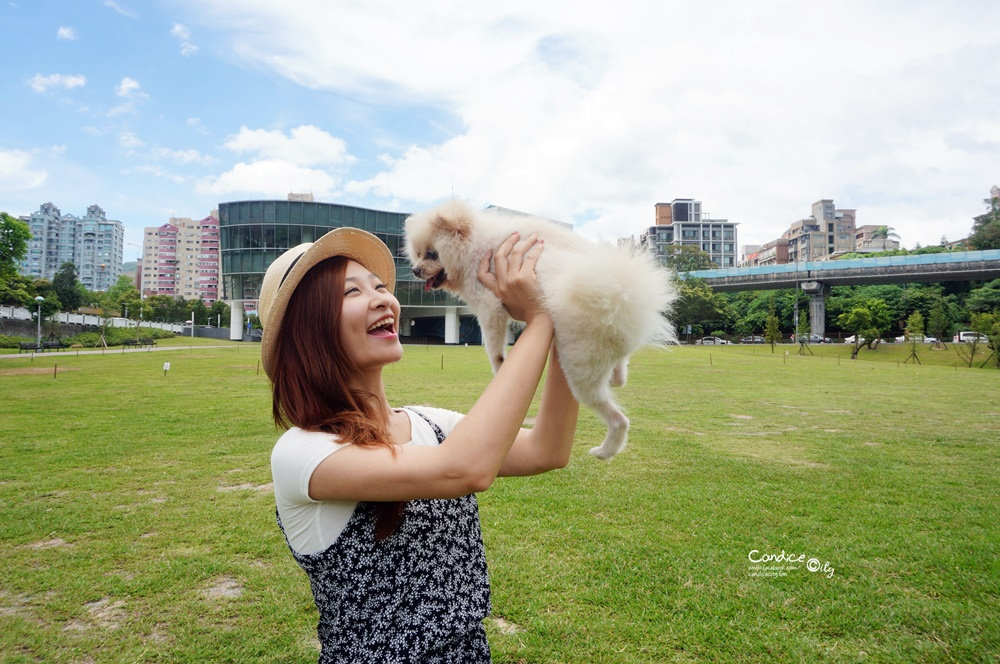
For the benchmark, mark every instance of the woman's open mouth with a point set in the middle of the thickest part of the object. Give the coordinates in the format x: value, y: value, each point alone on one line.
x: 384, y: 327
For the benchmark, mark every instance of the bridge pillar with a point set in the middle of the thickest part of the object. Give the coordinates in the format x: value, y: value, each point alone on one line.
x: 817, y: 291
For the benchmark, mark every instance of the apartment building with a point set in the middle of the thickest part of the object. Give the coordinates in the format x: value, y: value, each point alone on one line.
x: 827, y: 231
x: 682, y: 223
x: 181, y: 259
x: 93, y: 243
x: 868, y: 239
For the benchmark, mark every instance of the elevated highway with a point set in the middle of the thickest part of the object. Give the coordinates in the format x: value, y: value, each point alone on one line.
x: 816, y: 277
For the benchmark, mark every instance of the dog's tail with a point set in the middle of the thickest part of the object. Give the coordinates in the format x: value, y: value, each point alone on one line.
x: 623, y: 297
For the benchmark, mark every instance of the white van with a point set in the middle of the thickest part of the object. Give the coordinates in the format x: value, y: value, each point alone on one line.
x: 965, y: 337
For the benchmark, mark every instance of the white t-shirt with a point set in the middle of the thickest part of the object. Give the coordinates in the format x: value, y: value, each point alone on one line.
x: 311, y: 525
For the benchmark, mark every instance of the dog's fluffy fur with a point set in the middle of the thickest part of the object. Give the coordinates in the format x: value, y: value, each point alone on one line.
x: 605, y: 302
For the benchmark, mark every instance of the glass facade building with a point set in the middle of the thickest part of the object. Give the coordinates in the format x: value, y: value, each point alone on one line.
x: 255, y: 233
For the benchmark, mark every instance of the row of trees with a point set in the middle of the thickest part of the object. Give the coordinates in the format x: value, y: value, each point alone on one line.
x: 65, y: 293
x: 945, y: 307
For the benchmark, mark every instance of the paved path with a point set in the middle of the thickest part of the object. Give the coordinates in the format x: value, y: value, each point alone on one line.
x: 108, y: 351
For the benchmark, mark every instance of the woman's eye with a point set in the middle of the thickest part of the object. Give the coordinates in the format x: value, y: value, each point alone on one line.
x: 353, y: 289
x: 381, y: 287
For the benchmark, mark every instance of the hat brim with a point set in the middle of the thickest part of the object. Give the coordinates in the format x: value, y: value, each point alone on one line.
x: 285, y: 273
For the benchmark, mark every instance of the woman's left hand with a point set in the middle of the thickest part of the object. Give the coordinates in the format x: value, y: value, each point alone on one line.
x: 513, y: 280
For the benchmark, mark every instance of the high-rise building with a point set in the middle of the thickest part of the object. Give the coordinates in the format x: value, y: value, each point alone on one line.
x: 682, y: 223
x: 93, y: 243
x: 181, y: 259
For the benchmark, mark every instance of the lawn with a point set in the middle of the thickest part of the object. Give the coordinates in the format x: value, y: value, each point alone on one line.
x: 137, y: 525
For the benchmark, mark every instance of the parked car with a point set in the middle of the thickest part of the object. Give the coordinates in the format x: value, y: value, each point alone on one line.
x: 711, y: 341
x: 918, y: 338
x: 753, y: 339
x: 812, y: 339
x: 965, y: 337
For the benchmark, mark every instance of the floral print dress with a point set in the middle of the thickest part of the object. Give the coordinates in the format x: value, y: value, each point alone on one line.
x: 416, y: 596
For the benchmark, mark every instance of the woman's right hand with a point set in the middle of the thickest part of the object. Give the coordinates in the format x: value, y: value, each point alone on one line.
x: 513, y: 279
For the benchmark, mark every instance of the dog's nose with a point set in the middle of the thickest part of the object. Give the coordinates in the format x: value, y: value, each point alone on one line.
x: 416, y: 272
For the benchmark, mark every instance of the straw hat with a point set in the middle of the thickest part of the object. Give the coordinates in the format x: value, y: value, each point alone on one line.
x: 288, y: 269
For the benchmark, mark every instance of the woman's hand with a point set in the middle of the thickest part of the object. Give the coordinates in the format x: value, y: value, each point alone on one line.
x: 513, y: 279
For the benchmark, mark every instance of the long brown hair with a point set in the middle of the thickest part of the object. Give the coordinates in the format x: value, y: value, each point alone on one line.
x: 310, y: 381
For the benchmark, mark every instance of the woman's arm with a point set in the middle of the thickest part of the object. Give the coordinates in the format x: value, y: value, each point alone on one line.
x: 547, y: 445
x: 473, y: 453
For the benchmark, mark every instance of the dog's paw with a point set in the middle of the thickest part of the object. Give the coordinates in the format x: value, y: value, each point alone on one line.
x: 601, y: 453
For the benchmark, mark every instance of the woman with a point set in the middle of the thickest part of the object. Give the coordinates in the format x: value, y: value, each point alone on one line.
x: 377, y: 502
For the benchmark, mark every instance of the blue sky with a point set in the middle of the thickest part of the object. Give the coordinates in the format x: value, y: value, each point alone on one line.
x: 165, y: 108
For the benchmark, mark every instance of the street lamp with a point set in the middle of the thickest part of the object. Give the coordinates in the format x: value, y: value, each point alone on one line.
x: 39, y: 299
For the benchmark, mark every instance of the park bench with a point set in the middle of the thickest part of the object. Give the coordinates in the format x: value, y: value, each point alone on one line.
x: 28, y: 346
x: 147, y: 341
x: 130, y: 342
x: 54, y: 345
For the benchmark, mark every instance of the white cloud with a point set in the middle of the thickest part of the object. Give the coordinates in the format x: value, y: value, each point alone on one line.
x: 65, y: 33
x: 592, y: 116
x: 18, y: 173
x: 268, y: 177
x: 189, y: 156
x: 183, y: 33
x: 128, y: 87
x: 43, y: 83
x: 130, y: 140
x: 305, y: 159
x: 306, y: 145
x: 157, y: 171
x: 197, y: 125
x: 127, y: 13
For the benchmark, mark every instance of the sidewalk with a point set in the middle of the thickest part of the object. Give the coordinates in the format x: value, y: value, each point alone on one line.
x: 107, y: 351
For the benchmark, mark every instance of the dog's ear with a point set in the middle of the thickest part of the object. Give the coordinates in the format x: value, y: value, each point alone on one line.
x: 459, y: 226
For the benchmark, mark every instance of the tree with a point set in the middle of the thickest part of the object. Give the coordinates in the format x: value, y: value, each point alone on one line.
x: 14, y: 236
x: 698, y: 305
x: 986, y: 227
x: 915, y: 325
x: 914, y: 331
x: 686, y: 257
x: 197, y: 311
x: 772, y: 331
x: 885, y: 233
x: 937, y: 322
x: 985, y: 324
x: 67, y: 287
x: 120, y: 296
x: 985, y: 298
x: 988, y: 324
x: 858, y: 320
x: 219, y: 312
x: 866, y: 321
x: 15, y: 291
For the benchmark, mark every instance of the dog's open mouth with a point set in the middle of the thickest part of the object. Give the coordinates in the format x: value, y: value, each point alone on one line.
x: 435, y: 281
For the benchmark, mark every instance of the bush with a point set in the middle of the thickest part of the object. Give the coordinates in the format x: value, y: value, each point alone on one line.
x: 7, y: 341
x: 115, y: 336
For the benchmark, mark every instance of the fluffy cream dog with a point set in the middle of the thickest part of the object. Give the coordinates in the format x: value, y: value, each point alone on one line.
x: 605, y: 302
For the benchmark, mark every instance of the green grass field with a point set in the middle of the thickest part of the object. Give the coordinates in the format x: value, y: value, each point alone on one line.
x: 137, y: 524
